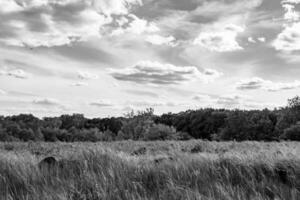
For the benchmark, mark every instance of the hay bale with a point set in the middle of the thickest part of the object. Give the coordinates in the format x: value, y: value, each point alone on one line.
x: 48, y: 163
x: 139, y: 151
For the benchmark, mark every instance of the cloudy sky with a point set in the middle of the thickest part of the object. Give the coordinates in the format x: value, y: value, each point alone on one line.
x: 106, y: 57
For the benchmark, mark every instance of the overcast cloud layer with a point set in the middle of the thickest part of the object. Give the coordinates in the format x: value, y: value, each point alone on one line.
x: 105, y: 57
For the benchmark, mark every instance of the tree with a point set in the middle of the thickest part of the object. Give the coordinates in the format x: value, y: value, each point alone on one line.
x: 50, y: 134
x: 294, y: 103
x: 75, y: 120
x: 135, y: 126
x: 26, y: 135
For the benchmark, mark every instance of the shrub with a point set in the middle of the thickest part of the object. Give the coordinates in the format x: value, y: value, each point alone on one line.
x: 292, y: 133
x: 160, y: 132
x: 50, y: 135
x: 8, y: 147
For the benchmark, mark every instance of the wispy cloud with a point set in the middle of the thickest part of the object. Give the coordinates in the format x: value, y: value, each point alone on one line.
x: 2, y: 92
x: 16, y: 73
x: 46, y: 102
x: 161, y: 40
x: 50, y: 25
x: 259, y: 83
x: 102, y: 103
x: 87, y: 75
x: 78, y: 84
x: 147, y: 72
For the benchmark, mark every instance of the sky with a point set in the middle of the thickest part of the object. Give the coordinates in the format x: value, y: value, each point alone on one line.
x: 107, y: 57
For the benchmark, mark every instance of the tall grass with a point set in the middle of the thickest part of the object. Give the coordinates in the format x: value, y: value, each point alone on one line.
x: 223, y: 171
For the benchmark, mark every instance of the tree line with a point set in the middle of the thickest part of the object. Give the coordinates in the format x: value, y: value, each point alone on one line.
x: 210, y: 124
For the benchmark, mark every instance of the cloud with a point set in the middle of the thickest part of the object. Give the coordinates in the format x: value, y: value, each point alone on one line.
x: 202, y: 98
x: 220, y: 40
x: 117, y: 7
x: 148, y: 72
x: 87, y: 75
x: 251, y: 40
x: 102, y: 103
x: 148, y: 104
x: 250, y: 84
x: 259, y: 83
x: 261, y: 39
x: 290, y: 13
x: 289, y: 38
x: 290, y: 1
x: 46, y: 102
x: 2, y: 92
x: 142, y: 93
x: 233, y: 101
x: 78, y: 84
x: 230, y: 101
x: 16, y: 73
x: 160, y: 40
x: 9, y: 6
x: 135, y: 25
x: 55, y: 23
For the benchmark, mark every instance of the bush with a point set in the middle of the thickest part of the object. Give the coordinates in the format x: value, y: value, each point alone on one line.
x: 160, y: 132
x: 292, y: 133
x: 50, y: 135
x: 8, y: 147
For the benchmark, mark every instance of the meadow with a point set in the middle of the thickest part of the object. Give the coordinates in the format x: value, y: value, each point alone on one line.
x: 155, y: 170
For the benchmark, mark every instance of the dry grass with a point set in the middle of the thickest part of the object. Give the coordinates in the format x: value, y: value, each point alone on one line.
x: 165, y: 170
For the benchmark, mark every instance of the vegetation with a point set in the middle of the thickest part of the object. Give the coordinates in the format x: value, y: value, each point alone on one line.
x: 151, y: 170
x: 210, y: 124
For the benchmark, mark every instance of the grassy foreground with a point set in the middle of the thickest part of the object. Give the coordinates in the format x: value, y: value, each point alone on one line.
x: 151, y: 170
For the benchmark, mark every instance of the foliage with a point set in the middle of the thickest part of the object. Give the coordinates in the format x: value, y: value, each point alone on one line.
x: 210, y: 124
x: 292, y: 133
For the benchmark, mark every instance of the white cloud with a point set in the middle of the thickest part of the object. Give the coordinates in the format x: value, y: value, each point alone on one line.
x: 230, y: 100
x: 17, y: 73
x: 102, y: 103
x: 289, y: 38
x: 211, y: 74
x: 290, y: 13
x: 160, y: 40
x: 7, y: 6
x: 46, y: 102
x: 137, y: 26
x: 78, y: 84
x: 58, y: 32
x: 87, y: 75
x: 233, y: 101
x: 2, y: 92
x: 259, y: 83
x: 148, y: 72
x: 117, y: 7
x: 147, y: 104
x: 59, y: 23
x: 290, y: 1
x: 261, y: 39
x: 251, y: 40
x: 202, y: 97
x: 220, y: 40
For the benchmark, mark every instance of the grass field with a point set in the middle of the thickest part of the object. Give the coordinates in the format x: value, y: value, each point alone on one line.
x: 151, y: 170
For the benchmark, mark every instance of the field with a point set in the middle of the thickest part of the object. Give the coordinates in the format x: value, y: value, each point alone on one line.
x: 151, y: 170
